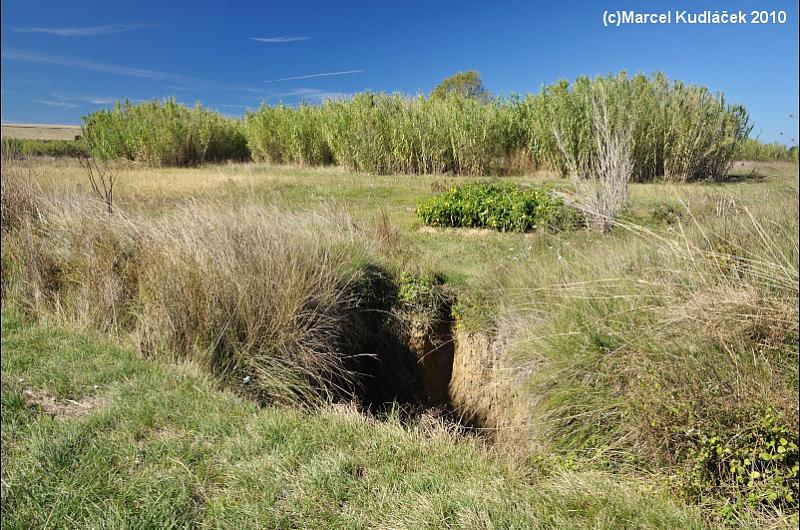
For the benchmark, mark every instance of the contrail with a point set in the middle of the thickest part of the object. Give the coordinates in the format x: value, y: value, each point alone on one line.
x: 326, y: 74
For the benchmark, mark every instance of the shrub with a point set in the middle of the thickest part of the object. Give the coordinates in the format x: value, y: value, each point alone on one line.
x: 602, y: 187
x: 756, y: 466
x: 163, y: 134
x: 503, y: 207
x: 752, y: 149
x: 53, y: 148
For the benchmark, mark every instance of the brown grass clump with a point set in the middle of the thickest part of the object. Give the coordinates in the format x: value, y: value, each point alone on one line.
x: 601, y: 181
x: 16, y: 188
x: 260, y: 296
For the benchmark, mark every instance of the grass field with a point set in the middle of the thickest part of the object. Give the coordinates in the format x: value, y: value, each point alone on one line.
x: 590, y: 370
x: 40, y: 131
x: 94, y: 436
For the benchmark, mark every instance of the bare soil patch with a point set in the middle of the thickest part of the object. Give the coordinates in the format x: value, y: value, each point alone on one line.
x: 62, y: 408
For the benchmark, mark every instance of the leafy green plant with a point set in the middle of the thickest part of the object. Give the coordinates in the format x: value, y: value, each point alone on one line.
x: 756, y: 466
x: 503, y: 207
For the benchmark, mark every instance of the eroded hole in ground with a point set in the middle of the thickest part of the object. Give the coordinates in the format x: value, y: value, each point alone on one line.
x: 411, y: 350
x: 412, y: 368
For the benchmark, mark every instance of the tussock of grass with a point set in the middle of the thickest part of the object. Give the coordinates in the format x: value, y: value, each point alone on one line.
x: 258, y: 295
x: 18, y: 193
x: 637, y: 352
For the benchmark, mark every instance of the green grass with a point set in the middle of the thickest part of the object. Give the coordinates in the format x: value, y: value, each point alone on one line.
x: 163, y: 447
x: 626, y: 348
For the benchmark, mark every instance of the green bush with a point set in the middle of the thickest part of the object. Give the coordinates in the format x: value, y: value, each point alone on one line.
x: 503, y: 207
x: 54, y: 148
x: 164, y: 134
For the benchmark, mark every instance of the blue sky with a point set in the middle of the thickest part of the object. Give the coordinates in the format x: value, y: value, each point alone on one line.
x: 61, y: 60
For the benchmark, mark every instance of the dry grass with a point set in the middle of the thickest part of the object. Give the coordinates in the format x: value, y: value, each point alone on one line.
x: 41, y: 131
x: 602, y: 185
x: 17, y: 190
x: 260, y: 296
x: 631, y: 354
x: 615, y: 344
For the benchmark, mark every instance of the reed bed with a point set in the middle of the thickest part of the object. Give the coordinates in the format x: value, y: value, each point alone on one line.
x: 163, y: 133
x: 680, y: 132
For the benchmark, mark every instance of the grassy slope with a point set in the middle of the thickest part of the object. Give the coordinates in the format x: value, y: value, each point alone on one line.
x: 159, y: 445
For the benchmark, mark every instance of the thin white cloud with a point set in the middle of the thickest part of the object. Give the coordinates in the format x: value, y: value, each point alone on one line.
x: 282, y: 39
x: 84, y: 64
x: 310, y: 94
x: 299, y: 92
x: 309, y: 76
x: 325, y: 96
x: 181, y: 88
x: 53, y: 103
x: 88, y: 31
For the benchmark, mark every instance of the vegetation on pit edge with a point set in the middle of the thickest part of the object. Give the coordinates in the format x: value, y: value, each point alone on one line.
x: 159, y: 445
x: 755, y: 466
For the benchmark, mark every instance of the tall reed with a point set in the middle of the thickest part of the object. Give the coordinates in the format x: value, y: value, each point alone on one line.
x: 163, y: 133
x: 680, y: 132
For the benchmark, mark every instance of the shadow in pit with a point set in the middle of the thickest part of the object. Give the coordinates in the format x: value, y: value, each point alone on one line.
x: 403, y: 364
